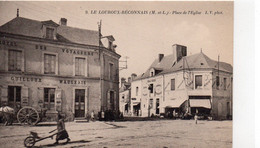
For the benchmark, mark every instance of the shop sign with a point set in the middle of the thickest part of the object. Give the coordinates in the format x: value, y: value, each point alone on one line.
x: 78, y: 52
x: 8, y: 43
x: 152, y: 80
x: 145, y: 90
x: 26, y: 79
x: 73, y: 82
x: 158, y: 89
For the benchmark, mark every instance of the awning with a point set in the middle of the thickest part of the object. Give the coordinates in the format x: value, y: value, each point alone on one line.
x: 138, y: 103
x: 200, y: 103
x: 176, y: 103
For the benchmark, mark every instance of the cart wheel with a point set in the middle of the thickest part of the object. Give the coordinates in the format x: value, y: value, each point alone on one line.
x: 28, y: 115
x: 29, y: 141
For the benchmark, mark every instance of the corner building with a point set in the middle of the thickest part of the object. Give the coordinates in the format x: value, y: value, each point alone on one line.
x: 183, y: 84
x: 58, y: 68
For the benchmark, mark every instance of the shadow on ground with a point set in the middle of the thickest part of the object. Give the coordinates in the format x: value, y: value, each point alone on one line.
x: 57, y: 145
x: 46, y: 124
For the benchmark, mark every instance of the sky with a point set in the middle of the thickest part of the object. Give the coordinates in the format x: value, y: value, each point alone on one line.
x: 141, y: 37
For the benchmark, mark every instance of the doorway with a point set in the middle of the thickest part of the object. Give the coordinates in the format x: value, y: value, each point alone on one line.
x: 14, y: 96
x: 79, y: 103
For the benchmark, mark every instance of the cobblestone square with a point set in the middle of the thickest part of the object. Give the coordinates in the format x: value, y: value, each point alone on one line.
x: 159, y: 133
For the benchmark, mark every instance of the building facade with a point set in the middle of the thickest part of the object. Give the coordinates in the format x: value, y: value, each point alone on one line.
x: 182, y: 84
x: 58, y: 68
x: 124, y: 97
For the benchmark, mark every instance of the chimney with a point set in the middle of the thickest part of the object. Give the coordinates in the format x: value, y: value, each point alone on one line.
x: 122, y: 81
x: 160, y: 57
x: 133, y: 76
x: 63, y: 22
x: 17, y: 14
x: 179, y: 51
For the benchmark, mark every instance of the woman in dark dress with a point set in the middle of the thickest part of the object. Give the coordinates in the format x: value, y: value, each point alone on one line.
x: 62, y: 133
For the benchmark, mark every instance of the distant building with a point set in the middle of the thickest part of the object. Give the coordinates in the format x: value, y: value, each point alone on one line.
x: 185, y: 84
x: 125, y: 99
x: 60, y: 68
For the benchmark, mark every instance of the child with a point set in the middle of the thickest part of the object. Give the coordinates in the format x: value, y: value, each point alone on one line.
x: 62, y: 133
x: 196, y: 118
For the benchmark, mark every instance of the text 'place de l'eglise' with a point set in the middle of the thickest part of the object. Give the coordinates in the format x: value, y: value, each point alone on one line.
x: 51, y: 66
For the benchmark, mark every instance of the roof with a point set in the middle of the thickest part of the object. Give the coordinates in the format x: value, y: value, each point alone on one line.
x: 195, y: 61
x: 33, y: 28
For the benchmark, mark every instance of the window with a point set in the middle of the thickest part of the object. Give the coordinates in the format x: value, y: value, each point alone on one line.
x: 110, y: 45
x: 49, y: 64
x: 157, y: 106
x: 14, y: 60
x: 217, y: 82
x: 225, y: 83
x: 14, y: 96
x: 49, y: 98
x: 137, y: 89
x: 151, y: 88
x: 49, y: 33
x: 198, y: 81
x: 80, y: 66
x: 172, y: 84
x: 151, y: 74
x: 111, y: 71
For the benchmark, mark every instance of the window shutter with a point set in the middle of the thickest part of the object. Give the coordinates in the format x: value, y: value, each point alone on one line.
x: 25, y: 96
x: 4, y: 95
x: 115, y: 103
x: 58, y: 99
x: 108, y: 100
x: 40, y: 97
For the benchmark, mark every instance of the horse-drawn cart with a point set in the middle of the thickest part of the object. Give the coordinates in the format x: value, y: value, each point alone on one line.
x: 25, y: 115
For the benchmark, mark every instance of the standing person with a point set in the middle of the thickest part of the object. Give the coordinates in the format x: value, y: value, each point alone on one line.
x: 92, y: 116
x: 62, y: 133
x: 196, y: 116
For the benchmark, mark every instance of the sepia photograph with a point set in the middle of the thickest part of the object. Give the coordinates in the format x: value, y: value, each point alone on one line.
x: 111, y: 74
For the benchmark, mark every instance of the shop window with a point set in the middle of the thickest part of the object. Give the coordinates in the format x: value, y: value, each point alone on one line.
x: 79, y: 66
x: 49, y: 63
x: 225, y: 83
x: 172, y: 84
x: 14, y: 60
x: 14, y: 96
x: 198, y: 81
x: 49, y: 33
x: 217, y: 82
x: 49, y: 98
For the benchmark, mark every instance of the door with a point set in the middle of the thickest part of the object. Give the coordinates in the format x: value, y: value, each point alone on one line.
x: 14, y: 96
x: 157, y: 106
x: 49, y: 98
x: 80, y: 103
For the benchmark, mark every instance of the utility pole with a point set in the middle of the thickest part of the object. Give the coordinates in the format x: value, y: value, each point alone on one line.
x: 99, y: 36
x: 101, y: 66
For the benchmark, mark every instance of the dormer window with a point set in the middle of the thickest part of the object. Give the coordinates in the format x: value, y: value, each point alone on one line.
x: 49, y: 29
x: 110, y: 45
x: 152, y: 74
x: 49, y: 33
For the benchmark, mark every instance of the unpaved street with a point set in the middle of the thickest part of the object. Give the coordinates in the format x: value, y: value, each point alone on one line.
x: 161, y: 133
